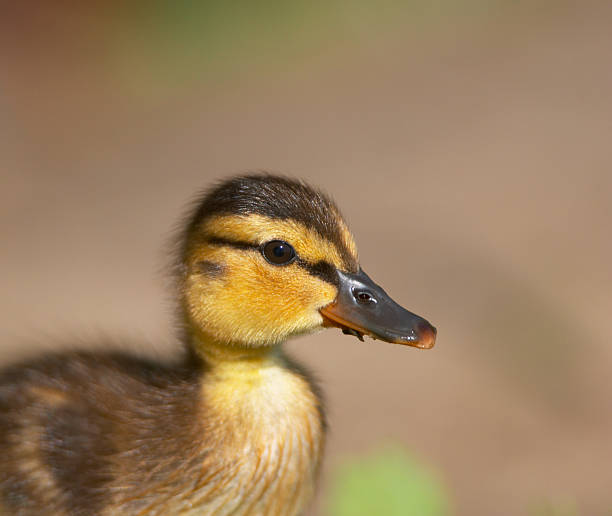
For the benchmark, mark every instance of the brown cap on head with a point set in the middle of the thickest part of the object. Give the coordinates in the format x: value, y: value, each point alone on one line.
x: 276, y: 197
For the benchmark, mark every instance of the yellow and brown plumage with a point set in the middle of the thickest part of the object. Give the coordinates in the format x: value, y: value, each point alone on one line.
x: 234, y: 427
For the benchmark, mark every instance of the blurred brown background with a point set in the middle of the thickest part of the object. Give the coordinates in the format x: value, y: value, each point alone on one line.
x: 469, y: 146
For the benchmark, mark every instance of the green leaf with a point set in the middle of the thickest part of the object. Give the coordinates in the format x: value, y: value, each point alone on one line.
x: 389, y: 483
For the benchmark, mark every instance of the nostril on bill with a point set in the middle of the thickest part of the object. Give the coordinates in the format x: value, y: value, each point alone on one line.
x: 363, y: 296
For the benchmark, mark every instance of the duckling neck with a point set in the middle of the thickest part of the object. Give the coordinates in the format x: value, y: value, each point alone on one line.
x: 257, y: 381
x: 244, y: 370
x: 218, y: 354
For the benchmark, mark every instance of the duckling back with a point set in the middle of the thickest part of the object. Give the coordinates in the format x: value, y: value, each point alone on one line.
x: 74, y: 425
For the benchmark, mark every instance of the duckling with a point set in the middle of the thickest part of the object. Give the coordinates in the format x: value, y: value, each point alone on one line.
x: 235, y: 427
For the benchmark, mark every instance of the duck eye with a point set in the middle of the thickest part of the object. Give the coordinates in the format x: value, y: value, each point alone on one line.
x: 278, y: 252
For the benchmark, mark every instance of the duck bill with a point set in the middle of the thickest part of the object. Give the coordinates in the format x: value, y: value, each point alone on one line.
x: 363, y: 308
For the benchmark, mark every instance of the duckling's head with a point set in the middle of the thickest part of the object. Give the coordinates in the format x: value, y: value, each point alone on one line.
x: 265, y: 257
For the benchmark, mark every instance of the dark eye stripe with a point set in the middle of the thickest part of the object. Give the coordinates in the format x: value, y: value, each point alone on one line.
x: 324, y: 270
x: 237, y: 244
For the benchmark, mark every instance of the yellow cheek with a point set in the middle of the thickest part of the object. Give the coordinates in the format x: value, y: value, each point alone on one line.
x: 256, y: 303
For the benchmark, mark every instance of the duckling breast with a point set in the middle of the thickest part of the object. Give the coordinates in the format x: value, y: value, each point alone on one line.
x: 268, y: 431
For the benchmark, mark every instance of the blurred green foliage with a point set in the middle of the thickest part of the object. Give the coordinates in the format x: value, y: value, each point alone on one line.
x: 388, y: 482
x: 163, y: 43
